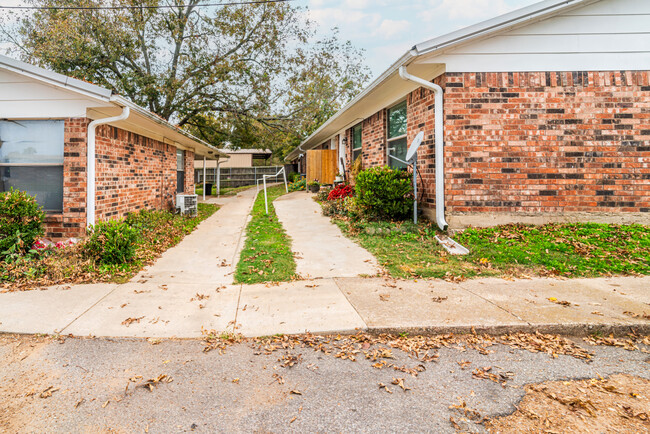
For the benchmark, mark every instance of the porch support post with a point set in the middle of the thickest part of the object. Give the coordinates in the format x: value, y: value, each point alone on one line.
x: 204, y: 178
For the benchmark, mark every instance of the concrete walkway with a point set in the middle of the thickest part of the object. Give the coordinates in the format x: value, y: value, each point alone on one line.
x: 333, y: 305
x: 321, y: 249
x: 189, y: 289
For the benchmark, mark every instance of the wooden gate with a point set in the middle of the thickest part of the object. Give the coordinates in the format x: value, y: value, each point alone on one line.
x: 321, y: 166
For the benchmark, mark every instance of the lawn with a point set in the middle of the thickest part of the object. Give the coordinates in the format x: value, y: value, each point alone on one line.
x: 267, y: 255
x: 569, y: 250
x: 225, y: 191
x: 159, y: 230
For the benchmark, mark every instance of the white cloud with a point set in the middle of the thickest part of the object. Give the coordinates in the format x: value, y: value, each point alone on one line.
x: 356, y: 4
x: 390, y: 28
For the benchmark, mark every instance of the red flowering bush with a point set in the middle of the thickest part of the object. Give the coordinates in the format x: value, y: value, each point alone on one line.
x: 341, y: 192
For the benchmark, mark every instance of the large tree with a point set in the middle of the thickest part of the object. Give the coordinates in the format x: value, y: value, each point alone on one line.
x: 249, y: 74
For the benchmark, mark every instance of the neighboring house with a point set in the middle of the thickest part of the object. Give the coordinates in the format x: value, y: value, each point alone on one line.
x: 86, y: 153
x: 545, y: 116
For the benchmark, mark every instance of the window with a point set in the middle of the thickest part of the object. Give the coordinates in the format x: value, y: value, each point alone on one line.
x: 356, y: 142
x: 397, y: 144
x: 180, y: 171
x: 31, y: 160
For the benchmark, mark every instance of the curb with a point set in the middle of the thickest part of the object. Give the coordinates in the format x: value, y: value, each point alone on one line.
x: 575, y: 330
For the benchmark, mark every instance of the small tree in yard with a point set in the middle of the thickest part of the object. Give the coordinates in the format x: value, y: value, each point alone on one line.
x: 21, y: 222
x: 385, y: 193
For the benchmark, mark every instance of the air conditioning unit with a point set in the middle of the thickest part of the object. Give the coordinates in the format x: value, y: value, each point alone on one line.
x: 187, y: 204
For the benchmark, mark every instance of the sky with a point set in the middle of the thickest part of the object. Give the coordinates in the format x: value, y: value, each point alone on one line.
x: 386, y: 29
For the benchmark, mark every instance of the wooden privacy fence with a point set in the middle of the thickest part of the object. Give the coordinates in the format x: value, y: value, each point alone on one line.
x: 321, y: 166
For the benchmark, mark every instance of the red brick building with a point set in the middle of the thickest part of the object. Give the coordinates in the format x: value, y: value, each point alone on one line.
x: 545, y: 115
x: 50, y: 123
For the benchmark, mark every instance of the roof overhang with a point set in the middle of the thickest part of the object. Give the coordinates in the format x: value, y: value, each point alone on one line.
x: 141, y: 121
x: 389, y: 88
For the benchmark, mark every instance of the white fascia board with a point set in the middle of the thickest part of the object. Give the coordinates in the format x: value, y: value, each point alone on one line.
x: 503, y: 22
x: 55, y: 79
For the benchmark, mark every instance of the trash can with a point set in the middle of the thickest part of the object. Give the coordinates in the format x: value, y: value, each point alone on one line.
x: 208, y: 189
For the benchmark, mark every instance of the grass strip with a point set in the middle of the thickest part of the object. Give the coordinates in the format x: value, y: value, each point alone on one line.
x: 267, y: 255
x: 569, y: 250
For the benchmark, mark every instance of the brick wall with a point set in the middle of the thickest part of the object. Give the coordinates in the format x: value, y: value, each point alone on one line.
x: 374, y: 140
x: 189, y: 172
x: 539, y: 143
x: 132, y: 173
x: 72, y: 221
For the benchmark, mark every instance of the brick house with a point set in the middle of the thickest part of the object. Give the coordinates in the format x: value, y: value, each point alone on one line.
x: 50, y: 127
x: 544, y: 115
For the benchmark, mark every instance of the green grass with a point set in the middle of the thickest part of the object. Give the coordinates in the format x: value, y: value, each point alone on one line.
x: 225, y: 191
x: 570, y: 250
x: 267, y: 255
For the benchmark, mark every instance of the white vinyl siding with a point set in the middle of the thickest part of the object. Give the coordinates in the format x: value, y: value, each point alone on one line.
x: 24, y: 98
x: 608, y: 35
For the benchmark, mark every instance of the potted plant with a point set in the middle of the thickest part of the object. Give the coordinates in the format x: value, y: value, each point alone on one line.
x: 339, y: 178
x: 314, y: 186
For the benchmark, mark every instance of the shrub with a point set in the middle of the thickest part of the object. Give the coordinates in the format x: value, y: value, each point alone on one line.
x: 341, y: 191
x: 385, y: 193
x: 334, y: 208
x: 111, y: 242
x: 21, y: 222
x: 323, y: 194
x: 293, y: 177
x: 298, y: 185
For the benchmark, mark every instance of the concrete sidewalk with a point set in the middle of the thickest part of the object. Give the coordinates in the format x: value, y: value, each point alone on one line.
x: 322, y: 251
x: 332, y: 305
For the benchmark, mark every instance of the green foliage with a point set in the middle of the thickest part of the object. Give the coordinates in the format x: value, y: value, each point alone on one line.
x: 385, y: 193
x: 111, y: 242
x: 298, y: 185
x: 570, y: 250
x: 21, y: 223
x: 267, y: 255
x: 581, y: 249
x: 293, y: 177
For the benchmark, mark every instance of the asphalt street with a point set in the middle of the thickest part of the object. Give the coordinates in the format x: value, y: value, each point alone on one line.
x: 80, y: 385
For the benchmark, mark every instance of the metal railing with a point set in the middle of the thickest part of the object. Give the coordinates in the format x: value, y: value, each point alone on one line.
x: 236, y: 176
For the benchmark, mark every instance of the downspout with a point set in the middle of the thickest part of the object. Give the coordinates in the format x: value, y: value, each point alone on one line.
x: 439, y: 144
x: 91, y: 193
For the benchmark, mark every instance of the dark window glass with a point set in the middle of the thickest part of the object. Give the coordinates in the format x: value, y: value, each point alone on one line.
x: 397, y: 120
x: 31, y: 160
x: 397, y: 145
x: 357, y: 145
x: 180, y: 171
